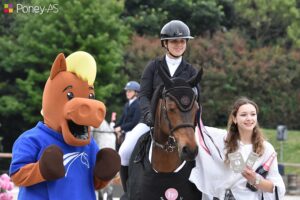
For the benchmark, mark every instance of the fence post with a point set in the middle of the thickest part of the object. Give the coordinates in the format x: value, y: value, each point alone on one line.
x: 292, y: 184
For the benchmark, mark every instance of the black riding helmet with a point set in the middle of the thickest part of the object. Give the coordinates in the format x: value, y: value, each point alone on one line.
x: 174, y: 29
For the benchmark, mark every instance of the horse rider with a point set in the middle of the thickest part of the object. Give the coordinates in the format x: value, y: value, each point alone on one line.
x: 131, y: 112
x: 174, y: 37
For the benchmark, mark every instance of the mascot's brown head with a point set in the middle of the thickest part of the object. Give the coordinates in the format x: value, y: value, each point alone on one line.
x: 69, y: 104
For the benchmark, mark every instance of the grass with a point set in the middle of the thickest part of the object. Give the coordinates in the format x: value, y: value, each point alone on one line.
x: 291, y: 148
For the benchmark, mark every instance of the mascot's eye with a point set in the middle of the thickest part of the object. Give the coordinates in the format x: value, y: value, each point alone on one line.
x: 70, y: 95
x: 91, y: 96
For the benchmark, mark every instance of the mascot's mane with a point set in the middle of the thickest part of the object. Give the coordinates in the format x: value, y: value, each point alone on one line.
x: 83, y: 65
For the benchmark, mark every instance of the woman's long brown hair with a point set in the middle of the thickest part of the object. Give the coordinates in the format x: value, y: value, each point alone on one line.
x: 231, y: 141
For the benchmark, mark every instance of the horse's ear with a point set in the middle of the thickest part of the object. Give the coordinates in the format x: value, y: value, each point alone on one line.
x: 165, y: 78
x: 196, y: 79
x: 58, y: 65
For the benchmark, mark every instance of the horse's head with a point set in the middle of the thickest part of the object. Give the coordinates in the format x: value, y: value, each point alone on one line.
x: 175, y: 115
x: 69, y: 106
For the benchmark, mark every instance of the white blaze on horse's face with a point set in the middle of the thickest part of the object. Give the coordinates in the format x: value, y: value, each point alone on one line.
x: 183, y: 124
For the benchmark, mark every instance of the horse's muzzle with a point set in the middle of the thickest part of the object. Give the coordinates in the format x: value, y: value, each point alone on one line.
x: 188, y: 154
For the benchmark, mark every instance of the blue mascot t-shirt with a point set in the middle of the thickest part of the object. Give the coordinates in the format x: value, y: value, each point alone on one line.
x: 79, y: 164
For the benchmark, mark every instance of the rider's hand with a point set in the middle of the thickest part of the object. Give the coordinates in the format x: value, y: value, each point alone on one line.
x: 149, y: 119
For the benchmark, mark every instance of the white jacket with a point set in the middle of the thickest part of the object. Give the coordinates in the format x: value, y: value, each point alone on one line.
x: 212, y: 176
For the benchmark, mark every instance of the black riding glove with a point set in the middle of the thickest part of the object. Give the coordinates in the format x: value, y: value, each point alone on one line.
x: 149, y: 119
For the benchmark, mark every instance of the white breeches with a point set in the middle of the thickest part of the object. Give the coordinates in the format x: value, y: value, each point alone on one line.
x: 128, y: 144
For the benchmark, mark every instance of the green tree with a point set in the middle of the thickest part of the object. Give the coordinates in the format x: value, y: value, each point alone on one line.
x: 293, y: 31
x: 139, y: 53
x: 26, y: 58
x: 268, y: 22
x: 148, y: 17
x: 202, y: 16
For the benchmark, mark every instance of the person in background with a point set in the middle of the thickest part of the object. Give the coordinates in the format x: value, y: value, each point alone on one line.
x: 131, y: 112
x: 174, y: 37
x: 247, y: 167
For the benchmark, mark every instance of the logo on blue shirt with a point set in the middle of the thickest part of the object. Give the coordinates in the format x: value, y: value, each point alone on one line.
x: 70, y: 158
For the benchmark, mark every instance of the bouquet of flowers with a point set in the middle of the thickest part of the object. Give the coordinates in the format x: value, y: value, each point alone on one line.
x: 5, y: 186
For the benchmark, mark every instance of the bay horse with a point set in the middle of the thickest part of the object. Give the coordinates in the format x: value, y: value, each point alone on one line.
x: 162, y: 161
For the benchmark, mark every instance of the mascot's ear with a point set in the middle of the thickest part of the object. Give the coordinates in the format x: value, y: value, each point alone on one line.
x: 59, y: 65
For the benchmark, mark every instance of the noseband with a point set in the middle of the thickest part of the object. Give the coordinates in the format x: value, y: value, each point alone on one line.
x: 185, y: 103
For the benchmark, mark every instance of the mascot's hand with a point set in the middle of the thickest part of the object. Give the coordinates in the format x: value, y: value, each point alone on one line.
x: 108, y: 163
x: 51, y: 163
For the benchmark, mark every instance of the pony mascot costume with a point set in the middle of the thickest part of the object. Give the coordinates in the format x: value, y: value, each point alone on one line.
x: 58, y: 159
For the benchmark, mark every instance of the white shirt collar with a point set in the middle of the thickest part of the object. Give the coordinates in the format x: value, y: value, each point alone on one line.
x: 173, y: 64
x: 132, y: 100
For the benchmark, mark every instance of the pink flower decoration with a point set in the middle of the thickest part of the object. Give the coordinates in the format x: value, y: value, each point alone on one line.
x: 6, y: 196
x: 5, y: 185
x: 5, y: 182
x: 5, y: 177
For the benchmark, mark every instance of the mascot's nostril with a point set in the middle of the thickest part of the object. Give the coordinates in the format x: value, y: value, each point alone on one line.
x: 84, y: 110
x: 99, y: 114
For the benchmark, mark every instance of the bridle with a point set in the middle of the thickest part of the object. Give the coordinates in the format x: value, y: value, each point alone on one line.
x: 185, y: 104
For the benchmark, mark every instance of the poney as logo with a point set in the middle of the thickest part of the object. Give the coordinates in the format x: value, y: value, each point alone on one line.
x: 8, y: 8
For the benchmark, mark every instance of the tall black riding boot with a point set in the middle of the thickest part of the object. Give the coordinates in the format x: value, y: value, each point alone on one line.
x: 124, y: 176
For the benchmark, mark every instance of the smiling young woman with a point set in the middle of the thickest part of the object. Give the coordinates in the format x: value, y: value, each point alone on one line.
x: 243, y: 151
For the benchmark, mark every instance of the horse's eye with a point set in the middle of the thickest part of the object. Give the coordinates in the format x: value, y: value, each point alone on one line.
x: 172, y: 109
x: 91, y: 96
x: 70, y: 95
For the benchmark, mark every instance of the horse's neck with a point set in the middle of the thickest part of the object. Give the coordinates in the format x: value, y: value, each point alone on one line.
x: 163, y: 161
